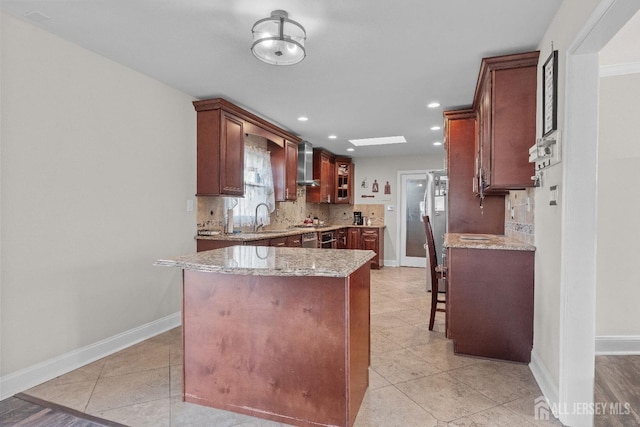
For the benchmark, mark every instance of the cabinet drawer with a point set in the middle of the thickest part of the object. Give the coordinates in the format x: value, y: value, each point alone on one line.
x: 294, y: 241
x: 278, y: 241
x: 207, y: 245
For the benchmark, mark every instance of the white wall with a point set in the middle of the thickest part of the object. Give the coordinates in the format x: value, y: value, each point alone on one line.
x: 618, y: 208
x: 386, y: 169
x: 564, y: 323
x: 97, y: 164
x: 548, y: 219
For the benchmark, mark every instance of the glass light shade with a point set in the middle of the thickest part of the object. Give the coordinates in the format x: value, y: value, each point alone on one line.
x: 278, y: 40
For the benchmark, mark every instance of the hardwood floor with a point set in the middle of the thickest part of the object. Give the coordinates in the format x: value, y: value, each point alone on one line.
x: 26, y: 411
x: 617, y: 391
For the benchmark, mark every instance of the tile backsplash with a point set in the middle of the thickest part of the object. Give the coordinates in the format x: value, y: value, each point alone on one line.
x: 210, y: 215
x: 519, y: 217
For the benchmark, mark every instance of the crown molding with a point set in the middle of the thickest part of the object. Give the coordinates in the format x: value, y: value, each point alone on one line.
x: 619, y: 69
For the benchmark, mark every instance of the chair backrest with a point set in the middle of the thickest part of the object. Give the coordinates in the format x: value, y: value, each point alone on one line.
x: 432, y: 258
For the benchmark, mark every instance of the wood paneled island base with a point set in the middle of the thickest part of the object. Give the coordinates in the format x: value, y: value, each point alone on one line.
x: 490, y: 296
x: 288, y: 348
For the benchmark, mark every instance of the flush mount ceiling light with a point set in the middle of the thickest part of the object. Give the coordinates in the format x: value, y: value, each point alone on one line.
x: 278, y: 40
x: 378, y: 141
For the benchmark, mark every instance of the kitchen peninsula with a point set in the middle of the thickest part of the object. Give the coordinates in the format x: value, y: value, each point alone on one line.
x: 490, y: 296
x: 277, y: 333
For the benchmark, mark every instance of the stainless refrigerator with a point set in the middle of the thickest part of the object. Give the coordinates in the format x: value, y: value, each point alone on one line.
x: 435, y: 206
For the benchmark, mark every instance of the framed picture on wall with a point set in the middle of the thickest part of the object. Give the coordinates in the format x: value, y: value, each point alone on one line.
x: 550, y: 94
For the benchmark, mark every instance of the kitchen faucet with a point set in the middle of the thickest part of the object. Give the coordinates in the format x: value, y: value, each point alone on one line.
x: 255, y: 221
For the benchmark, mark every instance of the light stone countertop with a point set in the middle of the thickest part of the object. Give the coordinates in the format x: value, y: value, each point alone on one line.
x: 271, y: 234
x: 485, y: 241
x: 273, y: 261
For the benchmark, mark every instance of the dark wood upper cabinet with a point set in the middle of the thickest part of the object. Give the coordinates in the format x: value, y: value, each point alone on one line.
x: 232, y: 155
x: 291, y: 170
x: 284, y: 163
x: 505, y: 102
x: 335, y: 176
x: 323, y: 172
x: 343, y: 180
x: 221, y: 128
x: 464, y: 212
x: 220, y: 152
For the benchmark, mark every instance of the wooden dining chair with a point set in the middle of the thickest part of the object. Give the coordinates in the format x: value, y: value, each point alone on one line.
x: 437, y: 273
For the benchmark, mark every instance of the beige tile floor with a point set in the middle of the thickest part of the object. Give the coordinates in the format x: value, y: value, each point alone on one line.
x: 415, y: 379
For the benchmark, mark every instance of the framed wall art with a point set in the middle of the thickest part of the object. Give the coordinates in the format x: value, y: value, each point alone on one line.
x: 550, y: 94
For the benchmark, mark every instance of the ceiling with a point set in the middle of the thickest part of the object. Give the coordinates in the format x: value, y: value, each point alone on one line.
x: 372, y: 66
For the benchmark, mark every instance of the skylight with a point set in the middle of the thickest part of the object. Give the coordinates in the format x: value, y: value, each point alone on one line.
x: 378, y: 141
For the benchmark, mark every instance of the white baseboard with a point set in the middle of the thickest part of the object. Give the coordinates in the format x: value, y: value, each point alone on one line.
x: 390, y: 263
x: 545, y: 381
x: 39, y: 373
x: 617, y: 345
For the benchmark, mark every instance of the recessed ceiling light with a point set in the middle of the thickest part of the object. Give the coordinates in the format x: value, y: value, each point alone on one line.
x: 437, y: 143
x: 303, y: 118
x: 435, y: 128
x: 36, y: 16
x: 378, y: 141
x: 433, y: 105
x: 332, y: 137
x: 350, y: 149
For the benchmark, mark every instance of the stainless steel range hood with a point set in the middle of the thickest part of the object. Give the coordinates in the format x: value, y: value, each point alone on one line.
x: 305, y: 164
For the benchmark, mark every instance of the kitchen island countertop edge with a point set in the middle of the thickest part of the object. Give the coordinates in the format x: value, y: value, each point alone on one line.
x: 273, y: 261
x: 485, y: 241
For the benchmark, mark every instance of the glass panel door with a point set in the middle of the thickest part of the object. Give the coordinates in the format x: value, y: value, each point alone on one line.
x: 412, y: 237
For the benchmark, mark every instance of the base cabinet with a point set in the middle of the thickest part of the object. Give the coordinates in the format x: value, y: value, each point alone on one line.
x: 294, y: 241
x: 490, y: 303
x: 368, y: 238
x: 207, y: 245
x: 353, y: 238
x: 285, y: 348
x: 341, y: 238
x: 278, y: 242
